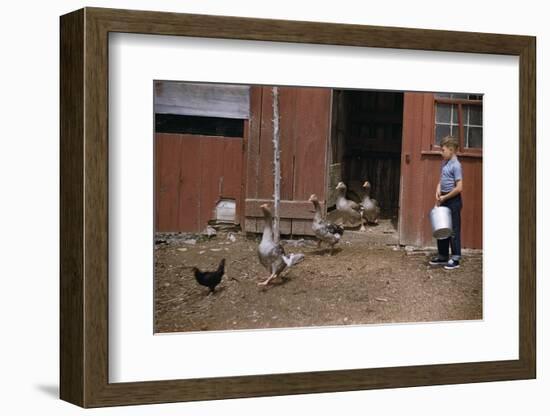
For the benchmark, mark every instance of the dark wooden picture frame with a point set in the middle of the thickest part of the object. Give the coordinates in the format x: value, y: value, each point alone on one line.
x: 84, y: 207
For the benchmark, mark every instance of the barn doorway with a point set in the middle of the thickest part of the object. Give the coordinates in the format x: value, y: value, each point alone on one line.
x: 366, y: 139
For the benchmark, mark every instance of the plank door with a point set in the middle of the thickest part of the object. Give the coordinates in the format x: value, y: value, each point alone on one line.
x: 192, y: 173
x: 304, y: 135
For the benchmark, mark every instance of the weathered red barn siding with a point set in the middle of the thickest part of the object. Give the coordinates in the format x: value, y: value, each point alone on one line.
x: 420, y: 174
x: 192, y: 173
x: 304, y: 135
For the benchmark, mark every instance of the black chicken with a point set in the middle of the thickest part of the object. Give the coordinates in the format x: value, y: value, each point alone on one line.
x: 210, y: 279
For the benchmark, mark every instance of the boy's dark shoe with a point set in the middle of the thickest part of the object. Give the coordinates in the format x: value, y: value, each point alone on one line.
x: 438, y: 261
x: 452, y: 264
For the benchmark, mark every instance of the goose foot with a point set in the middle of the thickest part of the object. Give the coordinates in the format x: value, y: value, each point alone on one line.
x: 269, y: 279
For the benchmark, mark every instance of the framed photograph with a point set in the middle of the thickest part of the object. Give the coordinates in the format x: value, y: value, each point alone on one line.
x: 255, y: 207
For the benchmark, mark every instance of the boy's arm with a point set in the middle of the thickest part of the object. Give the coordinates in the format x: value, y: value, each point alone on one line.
x: 438, y: 191
x: 456, y: 190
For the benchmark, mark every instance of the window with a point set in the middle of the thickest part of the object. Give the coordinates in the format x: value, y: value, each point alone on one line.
x: 459, y: 115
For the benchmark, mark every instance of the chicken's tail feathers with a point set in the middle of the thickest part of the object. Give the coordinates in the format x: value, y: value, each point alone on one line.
x: 221, y: 266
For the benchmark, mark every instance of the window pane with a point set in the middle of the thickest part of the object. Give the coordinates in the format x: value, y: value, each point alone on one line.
x: 441, y: 130
x: 442, y: 95
x: 475, y: 115
x: 475, y: 97
x: 474, y: 137
x: 443, y: 113
x: 454, y: 130
x: 465, y: 114
x: 459, y: 96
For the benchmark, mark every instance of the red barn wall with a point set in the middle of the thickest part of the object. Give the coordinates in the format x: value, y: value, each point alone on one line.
x: 192, y: 173
x: 420, y: 174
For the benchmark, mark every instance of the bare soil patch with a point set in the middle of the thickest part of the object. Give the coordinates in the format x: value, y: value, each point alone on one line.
x: 366, y: 281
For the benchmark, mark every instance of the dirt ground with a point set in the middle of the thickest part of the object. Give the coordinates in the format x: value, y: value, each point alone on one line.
x: 366, y: 281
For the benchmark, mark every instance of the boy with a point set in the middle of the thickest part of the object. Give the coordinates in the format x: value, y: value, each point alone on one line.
x: 448, y: 194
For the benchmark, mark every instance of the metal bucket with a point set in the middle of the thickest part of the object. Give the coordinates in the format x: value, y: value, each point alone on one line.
x: 442, y: 223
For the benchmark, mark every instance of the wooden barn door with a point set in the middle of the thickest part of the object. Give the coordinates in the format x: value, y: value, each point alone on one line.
x: 417, y: 188
x: 192, y: 173
x: 420, y: 170
x: 304, y: 135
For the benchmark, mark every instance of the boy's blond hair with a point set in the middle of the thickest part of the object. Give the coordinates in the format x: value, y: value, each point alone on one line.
x: 451, y: 142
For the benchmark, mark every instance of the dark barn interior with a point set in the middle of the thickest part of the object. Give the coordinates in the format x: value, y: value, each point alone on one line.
x: 366, y: 145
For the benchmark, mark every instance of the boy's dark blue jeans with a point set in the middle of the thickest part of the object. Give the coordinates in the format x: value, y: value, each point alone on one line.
x: 455, y: 205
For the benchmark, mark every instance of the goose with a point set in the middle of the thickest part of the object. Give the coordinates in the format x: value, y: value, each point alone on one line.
x: 325, y: 231
x: 371, y: 208
x: 271, y: 255
x: 346, y: 208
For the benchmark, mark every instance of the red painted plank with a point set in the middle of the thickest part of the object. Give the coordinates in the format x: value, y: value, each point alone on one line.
x: 168, y: 179
x: 429, y: 169
x: 241, y: 217
x: 312, y: 131
x: 288, y: 119
x: 472, y: 218
x: 253, y: 145
x: 211, y: 179
x: 158, y: 152
x: 411, y: 171
x: 189, y: 193
x: 232, y: 167
x: 265, y: 165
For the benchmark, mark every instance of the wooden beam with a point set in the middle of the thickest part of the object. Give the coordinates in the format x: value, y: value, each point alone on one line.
x: 207, y: 100
x: 289, y: 209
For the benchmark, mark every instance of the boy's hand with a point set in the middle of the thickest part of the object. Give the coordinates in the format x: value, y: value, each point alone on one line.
x: 438, y: 196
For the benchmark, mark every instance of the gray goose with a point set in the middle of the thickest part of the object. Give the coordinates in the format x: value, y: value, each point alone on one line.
x: 272, y: 255
x: 325, y: 231
x: 371, y: 208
